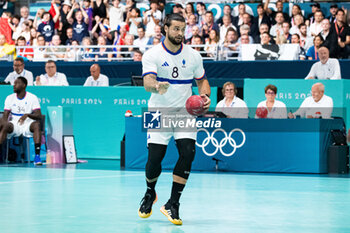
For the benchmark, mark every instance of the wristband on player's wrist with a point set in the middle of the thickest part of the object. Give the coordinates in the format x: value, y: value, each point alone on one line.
x: 207, y: 95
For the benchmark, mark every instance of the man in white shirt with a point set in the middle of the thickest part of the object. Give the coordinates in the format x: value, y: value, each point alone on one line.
x: 18, y: 70
x: 21, y: 116
x: 315, y: 106
x: 116, y: 14
x: 152, y: 18
x: 142, y: 41
x: 326, y: 68
x: 96, y: 79
x: 231, y: 105
x: 52, y: 77
x: 316, y: 27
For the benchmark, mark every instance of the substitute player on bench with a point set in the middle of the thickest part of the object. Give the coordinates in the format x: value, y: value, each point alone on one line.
x: 168, y: 70
x: 25, y: 113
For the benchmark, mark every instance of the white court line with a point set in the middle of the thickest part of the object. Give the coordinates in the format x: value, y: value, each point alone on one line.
x: 69, y: 178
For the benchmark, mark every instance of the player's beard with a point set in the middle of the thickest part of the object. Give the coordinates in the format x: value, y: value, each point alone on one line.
x: 175, y: 41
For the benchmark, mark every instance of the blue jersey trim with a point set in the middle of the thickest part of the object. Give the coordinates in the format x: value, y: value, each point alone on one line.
x: 174, y: 81
x: 176, y: 53
x: 15, y: 114
x: 143, y: 75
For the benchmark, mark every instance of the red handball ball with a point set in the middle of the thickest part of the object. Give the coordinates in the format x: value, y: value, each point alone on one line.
x: 195, y: 105
x: 261, y: 112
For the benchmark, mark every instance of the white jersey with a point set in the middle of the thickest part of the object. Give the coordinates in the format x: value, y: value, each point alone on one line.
x: 179, y: 69
x: 19, y: 107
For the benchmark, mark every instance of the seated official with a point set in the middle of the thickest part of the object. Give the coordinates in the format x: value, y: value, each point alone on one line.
x: 18, y: 70
x: 315, y: 106
x: 231, y: 105
x: 275, y: 108
x: 52, y: 77
x: 96, y: 79
x: 326, y: 68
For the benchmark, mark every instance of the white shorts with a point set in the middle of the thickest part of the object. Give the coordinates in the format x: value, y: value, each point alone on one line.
x: 164, y: 137
x: 19, y: 130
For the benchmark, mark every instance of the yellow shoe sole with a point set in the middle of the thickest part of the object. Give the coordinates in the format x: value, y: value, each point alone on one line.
x: 144, y: 215
x: 174, y: 221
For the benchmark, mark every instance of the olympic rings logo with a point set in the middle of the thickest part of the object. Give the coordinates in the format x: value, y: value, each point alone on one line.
x: 219, y: 145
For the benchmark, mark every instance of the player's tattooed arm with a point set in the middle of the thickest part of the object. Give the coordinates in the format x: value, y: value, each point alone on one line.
x: 152, y: 85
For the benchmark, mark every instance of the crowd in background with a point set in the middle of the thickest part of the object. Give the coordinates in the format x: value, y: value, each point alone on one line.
x: 129, y: 33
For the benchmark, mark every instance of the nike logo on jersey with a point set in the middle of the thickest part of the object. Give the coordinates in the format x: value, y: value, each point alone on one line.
x: 165, y: 64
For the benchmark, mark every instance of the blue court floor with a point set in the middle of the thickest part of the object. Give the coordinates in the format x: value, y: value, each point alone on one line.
x: 98, y: 197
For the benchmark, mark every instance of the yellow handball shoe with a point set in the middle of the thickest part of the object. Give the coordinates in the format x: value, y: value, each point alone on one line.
x: 147, y: 201
x: 172, y: 212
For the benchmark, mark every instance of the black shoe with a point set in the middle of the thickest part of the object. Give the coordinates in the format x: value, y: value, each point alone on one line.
x: 147, y: 201
x: 172, y: 212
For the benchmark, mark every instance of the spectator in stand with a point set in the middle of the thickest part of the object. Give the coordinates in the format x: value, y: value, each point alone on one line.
x: 102, y: 53
x: 88, y: 9
x: 330, y: 38
x: 286, y: 37
x: 266, y: 50
x: 301, y: 52
x: 209, y: 25
x: 116, y: 14
x: 245, y: 30
x: 157, y: 34
x: 96, y: 79
x: 141, y: 41
x: 312, y: 52
x: 40, y: 52
x: 333, y: 11
x: 197, y: 40
x: 326, y: 68
x: 342, y: 31
x: 47, y: 27
x: 33, y: 37
x: 81, y: 23
x: 297, y: 20
x: 244, y: 39
x: 64, y: 24
x: 178, y: 9
x: 211, y: 43
x: 225, y: 26
x: 6, y: 50
x: 189, y: 10
x: 156, y: 41
x: 25, y: 15
x: 69, y: 36
x: 15, y: 27
x: 137, y: 56
x: 276, y: 109
x: 152, y: 18
x: 230, y: 44
x: 134, y: 20
x: 25, y: 53
x: 227, y: 12
x: 272, y: 14
x: 119, y: 35
x: 129, y: 41
x: 73, y: 53
x: 18, y: 70
x: 310, y: 18
x: 315, y: 106
x: 262, y: 29
x: 87, y: 53
x: 195, y: 32
x: 247, y: 21
x: 296, y: 10
x: 104, y: 30
x: 201, y: 10
x: 306, y: 41
x: 54, y: 53
x: 316, y: 27
x: 52, y: 77
x: 260, y: 19
x: 25, y: 32
x: 238, y: 20
x: 278, y: 26
x: 231, y: 105
x: 99, y: 7
x: 129, y: 4
x: 191, y: 22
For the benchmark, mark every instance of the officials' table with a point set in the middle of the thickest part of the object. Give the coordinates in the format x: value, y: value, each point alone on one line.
x: 246, y: 145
